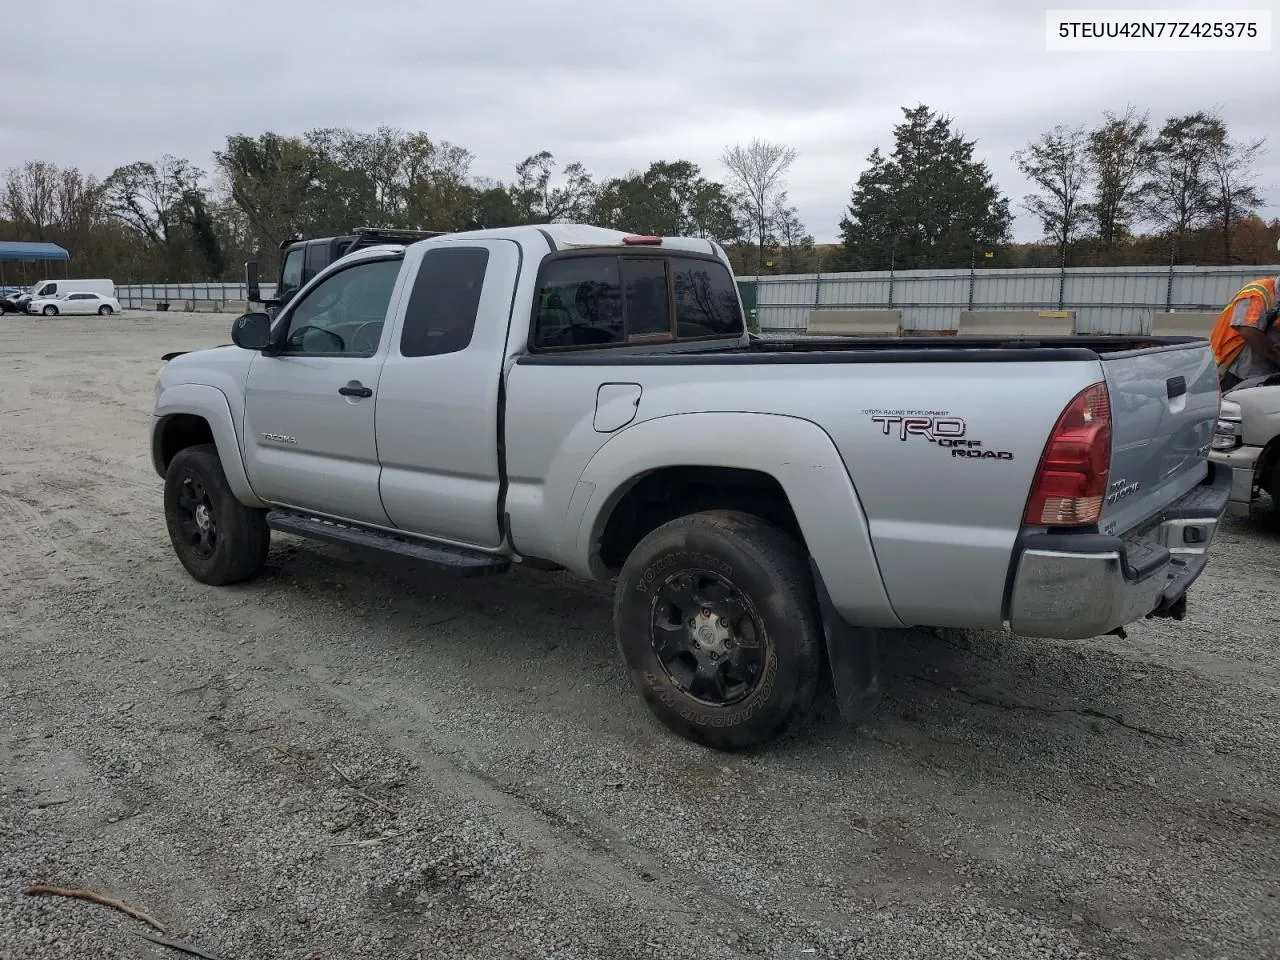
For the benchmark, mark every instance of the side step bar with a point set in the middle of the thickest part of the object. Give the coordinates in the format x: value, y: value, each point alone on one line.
x: 449, y: 559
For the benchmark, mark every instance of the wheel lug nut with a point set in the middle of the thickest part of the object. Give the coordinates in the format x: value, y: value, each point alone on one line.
x: 724, y: 622
x: 706, y: 611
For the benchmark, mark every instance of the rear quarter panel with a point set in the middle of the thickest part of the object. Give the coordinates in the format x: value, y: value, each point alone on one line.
x: 941, y: 524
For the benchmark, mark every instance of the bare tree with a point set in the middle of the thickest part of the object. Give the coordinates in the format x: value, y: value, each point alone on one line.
x: 1233, y: 183
x: 791, y: 234
x: 1057, y: 163
x: 31, y: 197
x: 1118, y: 153
x: 538, y: 201
x: 757, y: 174
x: 150, y: 197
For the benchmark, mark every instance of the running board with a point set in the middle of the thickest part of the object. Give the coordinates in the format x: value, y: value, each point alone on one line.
x: 458, y: 561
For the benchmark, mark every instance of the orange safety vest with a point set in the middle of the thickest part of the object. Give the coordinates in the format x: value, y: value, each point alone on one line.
x: 1225, y: 339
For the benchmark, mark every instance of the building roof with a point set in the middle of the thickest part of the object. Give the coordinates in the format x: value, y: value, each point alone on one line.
x: 16, y: 250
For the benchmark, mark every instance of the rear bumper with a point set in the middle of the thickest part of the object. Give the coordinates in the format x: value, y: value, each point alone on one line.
x: 1075, y: 586
x: 1242, y: 464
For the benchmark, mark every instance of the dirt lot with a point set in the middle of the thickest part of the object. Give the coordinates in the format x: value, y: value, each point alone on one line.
x: 345, y: 760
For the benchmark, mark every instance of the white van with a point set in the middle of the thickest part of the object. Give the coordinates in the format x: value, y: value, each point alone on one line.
x: 59, y: 288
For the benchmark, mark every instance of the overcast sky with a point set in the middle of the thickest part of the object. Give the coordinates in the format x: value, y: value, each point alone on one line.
x: 99, y: 83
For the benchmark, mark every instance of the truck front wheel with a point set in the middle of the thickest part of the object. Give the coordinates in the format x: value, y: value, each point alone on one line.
x: 217, y: 538
x: 717, y: 619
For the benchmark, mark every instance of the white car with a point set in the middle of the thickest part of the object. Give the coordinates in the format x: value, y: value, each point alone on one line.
x: 75, y: 303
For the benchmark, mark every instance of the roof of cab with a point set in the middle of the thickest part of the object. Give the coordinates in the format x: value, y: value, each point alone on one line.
x: 569, y: 235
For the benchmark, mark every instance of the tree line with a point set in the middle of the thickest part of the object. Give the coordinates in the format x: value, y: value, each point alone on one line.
x: 1121, y: 192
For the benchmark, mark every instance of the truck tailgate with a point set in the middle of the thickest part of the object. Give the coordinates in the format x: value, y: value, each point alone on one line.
x: 1164, y: 404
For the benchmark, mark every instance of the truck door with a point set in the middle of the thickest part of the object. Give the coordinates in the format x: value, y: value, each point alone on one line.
x: 309, y: 410
x: 438, y: 399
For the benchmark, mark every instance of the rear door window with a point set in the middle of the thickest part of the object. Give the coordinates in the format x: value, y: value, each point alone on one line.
x: 317, y: 259
x: 648, y: 310
x: 579, y: 303
x: 291, y: 274
x: 706, y: 299
x: 602, y: 299
x: 441, y: 315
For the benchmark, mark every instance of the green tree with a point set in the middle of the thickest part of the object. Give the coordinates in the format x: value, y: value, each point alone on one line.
x: 491, y: 206
x: 273, y: 182
x: 1118, y: 152
x: 670, y: 198
x: 436, y: 176
x: 539, y: 199
x: 1178, y: 190
x: 204, y: 234
x: 929, y: 202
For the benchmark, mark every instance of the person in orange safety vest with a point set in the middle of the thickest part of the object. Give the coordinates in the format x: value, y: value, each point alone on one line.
x: 1246, y: 336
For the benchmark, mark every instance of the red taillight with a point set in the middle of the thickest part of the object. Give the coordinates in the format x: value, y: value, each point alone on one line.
x: 642, y: 241
x: 1071, y: 482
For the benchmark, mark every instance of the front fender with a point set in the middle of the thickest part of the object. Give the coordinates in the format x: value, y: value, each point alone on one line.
x: 795, y: 452
x: 210, y: 404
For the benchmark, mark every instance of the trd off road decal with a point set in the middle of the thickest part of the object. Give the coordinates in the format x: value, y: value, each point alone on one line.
x: 938, y: 427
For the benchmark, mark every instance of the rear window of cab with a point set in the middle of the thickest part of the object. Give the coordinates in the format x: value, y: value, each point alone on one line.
x: 598, y: 299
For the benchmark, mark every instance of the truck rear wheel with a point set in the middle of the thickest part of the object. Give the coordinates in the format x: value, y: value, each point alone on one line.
x: 217, y: 538
x: 718, y: 622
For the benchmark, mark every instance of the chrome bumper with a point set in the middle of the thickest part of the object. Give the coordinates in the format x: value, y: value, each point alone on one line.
x: 1074, y: 586
x: 1242, y: 462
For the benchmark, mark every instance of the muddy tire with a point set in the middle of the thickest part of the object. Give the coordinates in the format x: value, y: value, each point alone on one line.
x: 217, y: 538
x: 718, y: 622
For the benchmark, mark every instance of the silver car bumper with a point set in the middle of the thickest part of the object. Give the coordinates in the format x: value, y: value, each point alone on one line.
x: 1074, y: 586
x: 1242, y: 462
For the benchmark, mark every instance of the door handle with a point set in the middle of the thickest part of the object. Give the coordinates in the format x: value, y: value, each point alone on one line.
x: 355, y: 389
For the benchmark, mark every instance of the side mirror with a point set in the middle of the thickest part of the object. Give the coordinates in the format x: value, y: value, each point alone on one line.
x: 252, y: 291
x: 252, y: 331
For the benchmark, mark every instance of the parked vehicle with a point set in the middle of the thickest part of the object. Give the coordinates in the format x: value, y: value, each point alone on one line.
x: 301, y: 260
x: 1247, y: 442
x: 72, y: 303
x: 14, y: 300
x: 574, y: 398
x: 52, y: 289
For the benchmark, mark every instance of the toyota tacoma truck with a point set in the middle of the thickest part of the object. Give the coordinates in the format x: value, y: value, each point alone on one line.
x: 572, y: 398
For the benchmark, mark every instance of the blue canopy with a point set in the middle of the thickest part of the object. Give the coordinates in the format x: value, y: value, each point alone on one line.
x: 16, y: 250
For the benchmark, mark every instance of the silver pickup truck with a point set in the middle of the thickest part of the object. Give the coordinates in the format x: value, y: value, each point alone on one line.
x: 574, y: 398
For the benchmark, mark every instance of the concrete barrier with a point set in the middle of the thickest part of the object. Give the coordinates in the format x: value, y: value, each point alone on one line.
x: 1017, y: 323
x: 235, y: 306
x: 1190, y: 323
x: 855, y: 323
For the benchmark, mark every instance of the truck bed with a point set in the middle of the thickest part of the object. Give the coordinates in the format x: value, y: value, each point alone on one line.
x: 940, y: 438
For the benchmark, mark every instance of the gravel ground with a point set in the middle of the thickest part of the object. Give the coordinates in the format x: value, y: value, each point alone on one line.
x: 350, y: 760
